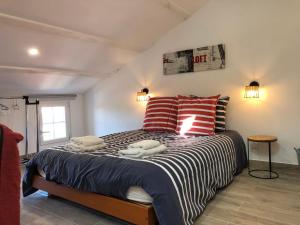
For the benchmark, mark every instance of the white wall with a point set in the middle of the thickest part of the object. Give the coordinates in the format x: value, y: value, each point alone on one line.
x: 78, y: 126
x: 15, y: 119
x: 262, y: 42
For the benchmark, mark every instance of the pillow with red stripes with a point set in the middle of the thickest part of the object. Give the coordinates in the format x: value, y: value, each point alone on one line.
x: 196, y: 116
x: 220, y: 112
x: 161, y: 114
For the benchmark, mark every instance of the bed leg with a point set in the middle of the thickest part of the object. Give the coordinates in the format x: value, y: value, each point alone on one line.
x: 151, y: 218
x: 148, y: 222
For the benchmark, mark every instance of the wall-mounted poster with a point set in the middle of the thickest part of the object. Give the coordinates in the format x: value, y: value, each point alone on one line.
x: 194, y: 60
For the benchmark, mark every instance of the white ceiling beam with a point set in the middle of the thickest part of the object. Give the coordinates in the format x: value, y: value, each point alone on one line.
x: 58, y: 30
x: 53, y: 70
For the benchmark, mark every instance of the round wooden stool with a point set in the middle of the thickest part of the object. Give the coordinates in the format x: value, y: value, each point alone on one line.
x: 263, y: 139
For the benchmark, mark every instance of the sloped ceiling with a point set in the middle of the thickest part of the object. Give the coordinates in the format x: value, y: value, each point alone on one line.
x: 80, y: 42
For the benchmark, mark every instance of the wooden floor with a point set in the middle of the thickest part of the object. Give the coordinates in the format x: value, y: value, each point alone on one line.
x: 247, y: 201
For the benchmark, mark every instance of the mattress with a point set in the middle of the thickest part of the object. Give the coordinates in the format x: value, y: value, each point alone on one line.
x: 134, y: 193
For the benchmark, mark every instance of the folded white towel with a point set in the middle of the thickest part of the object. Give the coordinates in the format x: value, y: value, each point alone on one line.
x: 153, y: 151
x: 140, y: 153
x: 145, y: 144
x: 136, y: 156
x: 131, y: 151
x: 81, y: 148
x: 87, y: 140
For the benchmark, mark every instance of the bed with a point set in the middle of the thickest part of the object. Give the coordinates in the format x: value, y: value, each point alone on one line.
x: 179, y: 182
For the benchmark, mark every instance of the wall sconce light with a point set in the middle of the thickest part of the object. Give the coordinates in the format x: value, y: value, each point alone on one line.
x: 252, y: 90
x: 142, y: 95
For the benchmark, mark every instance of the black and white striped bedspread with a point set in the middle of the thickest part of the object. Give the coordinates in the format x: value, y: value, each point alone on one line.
x: 195, y: 167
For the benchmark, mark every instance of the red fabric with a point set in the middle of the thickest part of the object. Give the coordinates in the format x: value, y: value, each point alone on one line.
x: 9, y: 177
x: 161, y: 114
x: 196, y: 116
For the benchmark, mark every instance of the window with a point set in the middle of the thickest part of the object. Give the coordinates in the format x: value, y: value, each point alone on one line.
x: 54, y: 126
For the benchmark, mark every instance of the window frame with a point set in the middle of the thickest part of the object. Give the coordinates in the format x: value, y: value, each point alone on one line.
x: 66, y: 104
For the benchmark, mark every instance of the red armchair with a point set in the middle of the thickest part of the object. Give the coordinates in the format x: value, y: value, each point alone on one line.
x: 9, y: 177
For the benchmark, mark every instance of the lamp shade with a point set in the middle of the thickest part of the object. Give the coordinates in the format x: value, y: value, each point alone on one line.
x: 142, y: 95
x: 252, y: 90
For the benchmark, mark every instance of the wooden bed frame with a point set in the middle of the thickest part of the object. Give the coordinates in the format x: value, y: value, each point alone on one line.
x: 132, y: 212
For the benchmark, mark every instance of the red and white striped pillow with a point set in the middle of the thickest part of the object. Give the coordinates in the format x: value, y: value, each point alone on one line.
x: 196, y: 116
x: 161, y: 114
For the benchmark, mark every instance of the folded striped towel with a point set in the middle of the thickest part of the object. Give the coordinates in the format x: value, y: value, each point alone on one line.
x: 140, y: 153
x: 145, y: 144
x: 87, y: 140
x: 81, y: 148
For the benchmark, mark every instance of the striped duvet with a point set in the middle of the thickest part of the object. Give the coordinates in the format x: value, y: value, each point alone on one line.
x: 181, y: 181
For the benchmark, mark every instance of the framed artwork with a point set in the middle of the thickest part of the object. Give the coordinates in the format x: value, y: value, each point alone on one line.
x: 194, y: 60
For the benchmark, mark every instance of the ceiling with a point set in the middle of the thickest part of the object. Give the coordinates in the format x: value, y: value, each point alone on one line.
x: 80, y: 42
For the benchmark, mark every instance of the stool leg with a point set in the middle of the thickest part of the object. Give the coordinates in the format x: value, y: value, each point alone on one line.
x: 270, y: 160
x: 248, y: 146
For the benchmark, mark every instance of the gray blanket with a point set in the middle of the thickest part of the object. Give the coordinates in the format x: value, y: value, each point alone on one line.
x: 181, y: 180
